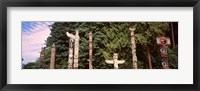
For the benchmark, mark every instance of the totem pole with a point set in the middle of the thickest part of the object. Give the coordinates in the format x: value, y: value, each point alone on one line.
x: 42, y: 58
x: 163, y: 42
x: 115, y: 61
x: 53, y: 53
x: 76, y: 39
x: 133, y: 47
x: 90, y: 51
x: 70, y: 57
x: 76, y: 50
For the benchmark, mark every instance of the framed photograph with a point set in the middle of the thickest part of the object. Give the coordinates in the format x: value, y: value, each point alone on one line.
x: 99, y: 45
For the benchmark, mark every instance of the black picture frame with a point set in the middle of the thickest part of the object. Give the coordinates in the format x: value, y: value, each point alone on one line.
x: 98, y: 3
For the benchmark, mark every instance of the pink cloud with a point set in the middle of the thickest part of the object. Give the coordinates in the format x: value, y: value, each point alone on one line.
x: 33, y: 41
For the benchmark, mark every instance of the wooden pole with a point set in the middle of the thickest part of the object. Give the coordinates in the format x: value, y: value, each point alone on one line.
x: 42, y: 58
x: 133, y: 47
x: 163, y: 42
x: 90, y: 51
x: 70, y: 56
x: 164, y: 57
x: 76, y: 39
x: 53, y: 53
x: 76, y: 50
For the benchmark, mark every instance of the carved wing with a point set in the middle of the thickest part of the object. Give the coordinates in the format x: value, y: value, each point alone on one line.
x: 70, y: 35
x: 109, y: 61
x: 121, y: 61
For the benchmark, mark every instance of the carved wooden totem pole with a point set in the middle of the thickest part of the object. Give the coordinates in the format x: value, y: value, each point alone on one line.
x: 115, y: 61
x: 70, y: 57
x: 90, y: 51
x: 53, y: 53
x: 42, y: 58
x: 76, y: 50
x: 133, y: 47
x: 74, y: 39
x: 163, y: 42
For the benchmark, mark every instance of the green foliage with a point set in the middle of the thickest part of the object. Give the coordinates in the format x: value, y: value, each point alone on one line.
x: 108, y: 38
x: 32, y: 65
x: 173, y: 58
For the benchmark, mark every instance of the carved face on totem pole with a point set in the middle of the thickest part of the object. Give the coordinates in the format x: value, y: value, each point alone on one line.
x: 163, y: 42
x: 115, y: 56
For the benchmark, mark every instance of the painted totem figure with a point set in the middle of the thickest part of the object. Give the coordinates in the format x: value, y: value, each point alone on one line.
x: 115, y: 61
x: 163, y: 42
x: 74, y: 39
x: 133, y: 47
x: 42, y: 58
x: 90, y: 51
x: 53, y: 53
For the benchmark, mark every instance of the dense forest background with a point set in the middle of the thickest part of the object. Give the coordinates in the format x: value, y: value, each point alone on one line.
x: 109, y: 38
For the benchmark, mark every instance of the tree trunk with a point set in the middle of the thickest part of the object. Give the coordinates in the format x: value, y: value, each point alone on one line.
x: 149, y: 58
x: 172, y: 35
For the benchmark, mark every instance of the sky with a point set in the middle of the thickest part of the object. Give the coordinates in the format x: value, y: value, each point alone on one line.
x: 34, y: 35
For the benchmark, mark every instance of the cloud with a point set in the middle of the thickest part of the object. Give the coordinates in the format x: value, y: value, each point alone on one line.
x: 34, y: 35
